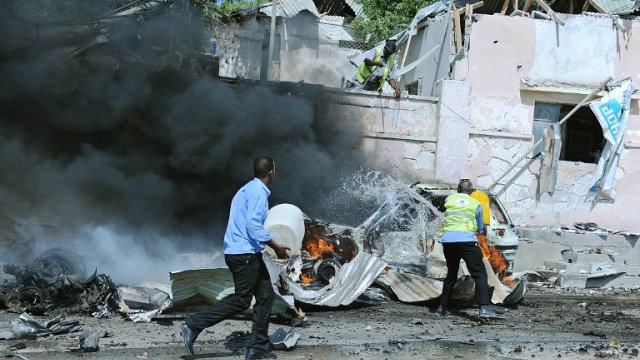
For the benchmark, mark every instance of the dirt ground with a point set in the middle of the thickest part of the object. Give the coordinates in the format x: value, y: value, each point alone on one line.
x: 550, y: 323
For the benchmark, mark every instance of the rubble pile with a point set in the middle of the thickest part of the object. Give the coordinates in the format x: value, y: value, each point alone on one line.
x: 55, y: 280
x: 586, y: 256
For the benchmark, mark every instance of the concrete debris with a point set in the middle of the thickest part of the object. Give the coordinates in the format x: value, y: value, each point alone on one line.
x: 11, y: 353
x: 591, y: 259
x: 26, y: 327
x: 145, y: 296
x: 284, y: 340
x: 149, y: 315
x: 603, y: 270
x: 89, y: 340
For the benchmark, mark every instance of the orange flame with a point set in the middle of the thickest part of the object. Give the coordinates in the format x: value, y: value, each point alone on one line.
x: 510, y: 283
x: 495, y: 257
x: 306, y: 278
x: 318, y: 247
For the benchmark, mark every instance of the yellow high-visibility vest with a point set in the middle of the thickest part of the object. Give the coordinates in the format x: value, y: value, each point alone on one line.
x: 364, y: 71
x: 460, y: 214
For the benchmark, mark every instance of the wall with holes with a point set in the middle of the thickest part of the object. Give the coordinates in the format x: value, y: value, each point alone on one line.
x: 512, y: 62
x: 240, y: 48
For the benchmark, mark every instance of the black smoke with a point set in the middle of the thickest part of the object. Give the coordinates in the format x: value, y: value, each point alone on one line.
x: 129, y: 156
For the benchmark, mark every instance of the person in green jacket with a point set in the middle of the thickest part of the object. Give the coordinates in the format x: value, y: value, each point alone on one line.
x: 377, y: 67
x: 463, y: 218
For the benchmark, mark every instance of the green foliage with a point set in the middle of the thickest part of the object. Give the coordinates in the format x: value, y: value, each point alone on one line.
x: 385, y: 18
x: 224, y: 8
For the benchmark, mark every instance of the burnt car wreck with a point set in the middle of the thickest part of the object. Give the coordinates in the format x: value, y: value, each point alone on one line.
x: 58, y: 279
x: 393, y: 254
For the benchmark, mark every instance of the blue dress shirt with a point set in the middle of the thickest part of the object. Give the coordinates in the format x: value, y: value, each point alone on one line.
x: 245, y: 231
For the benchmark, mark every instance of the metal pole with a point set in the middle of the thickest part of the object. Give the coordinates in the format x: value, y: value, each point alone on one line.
x: 274, y: 12
x: 565, y: 118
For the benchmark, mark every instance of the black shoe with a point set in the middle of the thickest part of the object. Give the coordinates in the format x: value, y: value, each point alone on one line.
x: 442, y: 311
x: 488, y: 313
x: 189, y: 337
x: 254, y: 353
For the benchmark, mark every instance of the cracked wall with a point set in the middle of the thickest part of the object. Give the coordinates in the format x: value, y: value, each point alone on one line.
x: 564, y: 63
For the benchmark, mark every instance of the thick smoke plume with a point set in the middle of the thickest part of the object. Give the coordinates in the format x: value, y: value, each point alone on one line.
x: 134, y: 164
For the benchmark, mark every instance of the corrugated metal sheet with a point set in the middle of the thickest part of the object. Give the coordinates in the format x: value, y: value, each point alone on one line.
x: 618, y: 7
x: 357, y: 8
x: 290, y: 8
x: 332, y: 28
x: 415, y: 288
x: 192, y: 288
x: 349, y: 283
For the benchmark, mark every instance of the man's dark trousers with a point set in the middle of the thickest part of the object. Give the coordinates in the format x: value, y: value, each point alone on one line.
x: 472, y: 256
x: 250, y: 278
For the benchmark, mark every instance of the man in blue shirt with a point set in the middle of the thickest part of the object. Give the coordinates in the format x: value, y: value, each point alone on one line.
x: 244, y: 241
x: 462, y: 219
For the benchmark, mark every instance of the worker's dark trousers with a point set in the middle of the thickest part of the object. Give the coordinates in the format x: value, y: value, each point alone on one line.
x: 472, y: 256
x: 251, y: 278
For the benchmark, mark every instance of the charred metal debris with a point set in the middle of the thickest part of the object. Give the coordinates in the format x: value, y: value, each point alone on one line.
x: 57, y: 279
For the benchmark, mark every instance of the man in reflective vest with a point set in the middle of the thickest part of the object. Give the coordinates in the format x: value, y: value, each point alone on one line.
x: 462, y: 219
x: 377, y: 67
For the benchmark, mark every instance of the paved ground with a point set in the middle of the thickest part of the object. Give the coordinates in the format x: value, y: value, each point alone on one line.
x: 548, y: 324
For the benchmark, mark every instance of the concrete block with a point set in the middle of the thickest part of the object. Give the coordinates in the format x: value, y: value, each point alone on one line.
x: 572, y: 280
x: 568, y: 267
x: 630, y: 270
x: 584, y: 258
x: 549, y: 248
x: 584, y: 281
x: 621, y: 281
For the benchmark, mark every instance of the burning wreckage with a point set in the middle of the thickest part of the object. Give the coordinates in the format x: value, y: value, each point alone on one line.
x: 393, y: 254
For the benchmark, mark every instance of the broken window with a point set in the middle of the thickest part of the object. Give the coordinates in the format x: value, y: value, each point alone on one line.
x: 582, y: 138
x: 414, y: 88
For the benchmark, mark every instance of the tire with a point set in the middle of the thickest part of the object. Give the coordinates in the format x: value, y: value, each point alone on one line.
x: 62, y: 260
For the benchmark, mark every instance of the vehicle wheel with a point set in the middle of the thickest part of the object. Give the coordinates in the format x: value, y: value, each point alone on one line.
x: 61, y: 260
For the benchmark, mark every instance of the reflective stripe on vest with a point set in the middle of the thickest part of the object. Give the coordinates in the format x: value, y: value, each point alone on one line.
x: 461, y: 213
x: 364, y: 71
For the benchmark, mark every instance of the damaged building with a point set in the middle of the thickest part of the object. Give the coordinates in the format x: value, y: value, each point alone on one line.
x: 491, y: 77
x: 479, y: 98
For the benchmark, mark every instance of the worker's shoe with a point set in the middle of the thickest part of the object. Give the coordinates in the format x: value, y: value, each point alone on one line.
x: 255, y: 353
x: 486, y: 312
x: 442, y: 311
x: 189, y: 336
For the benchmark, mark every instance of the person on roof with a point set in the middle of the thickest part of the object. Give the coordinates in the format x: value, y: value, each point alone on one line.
x: 378, y: 66
x: 462, y: 219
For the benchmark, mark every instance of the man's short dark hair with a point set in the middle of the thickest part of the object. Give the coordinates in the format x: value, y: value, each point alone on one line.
x: 465, y: 186
x: 262, y: 165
